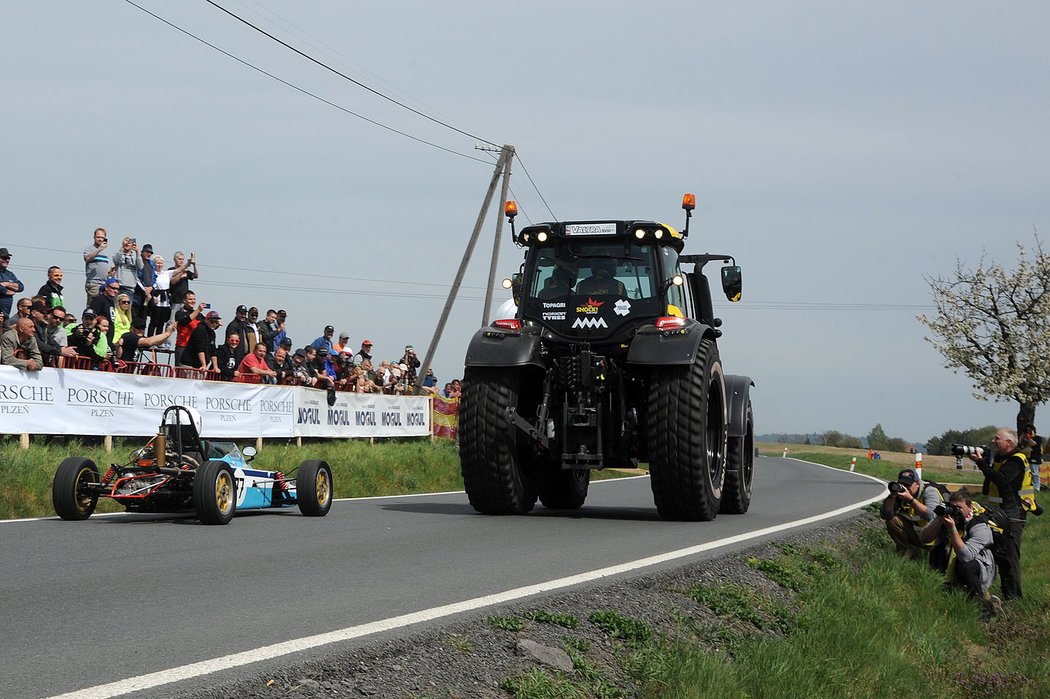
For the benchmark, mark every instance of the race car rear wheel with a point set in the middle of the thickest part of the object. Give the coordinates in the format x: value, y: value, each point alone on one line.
x: 313, y: 488
x: 215, y: 493
x: 69, y: 489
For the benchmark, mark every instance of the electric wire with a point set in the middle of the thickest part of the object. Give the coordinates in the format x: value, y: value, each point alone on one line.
x: 526, y: 171
x: 324, y: 47
x: 347, y: 77
x: 300, y: 89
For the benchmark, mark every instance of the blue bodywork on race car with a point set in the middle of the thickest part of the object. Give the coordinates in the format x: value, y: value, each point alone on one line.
x: 178, y: 470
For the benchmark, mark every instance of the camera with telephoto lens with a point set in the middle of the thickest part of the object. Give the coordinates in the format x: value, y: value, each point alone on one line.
x: 953, y: 511
x: 895, y: 487
x: 965, y: 450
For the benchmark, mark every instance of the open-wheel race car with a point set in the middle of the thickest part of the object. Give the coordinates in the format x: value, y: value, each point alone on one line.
x: 178, y: 471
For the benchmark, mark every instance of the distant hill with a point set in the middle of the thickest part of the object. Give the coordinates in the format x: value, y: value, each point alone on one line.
x: 813, y: 438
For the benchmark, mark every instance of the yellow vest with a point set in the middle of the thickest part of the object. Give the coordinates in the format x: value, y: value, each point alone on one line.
x: 1027, y: 491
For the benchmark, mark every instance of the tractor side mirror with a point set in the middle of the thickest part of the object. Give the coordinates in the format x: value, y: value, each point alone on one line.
x: 732, y: 282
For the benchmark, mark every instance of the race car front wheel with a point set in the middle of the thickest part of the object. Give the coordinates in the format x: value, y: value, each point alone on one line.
x: 313, y: 488
x: 71, y: 492
x: 214, y: 493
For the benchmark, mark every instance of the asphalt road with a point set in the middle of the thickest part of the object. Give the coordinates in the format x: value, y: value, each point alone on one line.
x: 90, y: 603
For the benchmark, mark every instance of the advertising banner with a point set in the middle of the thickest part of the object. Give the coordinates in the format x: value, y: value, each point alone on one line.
x: 74, y: 402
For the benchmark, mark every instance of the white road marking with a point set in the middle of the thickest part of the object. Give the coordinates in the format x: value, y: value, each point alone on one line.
x: 226, y: 662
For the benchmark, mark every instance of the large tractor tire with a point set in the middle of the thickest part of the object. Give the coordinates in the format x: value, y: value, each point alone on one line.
x: 214, y: 493
x: 564, y: 489
x: 69, y: 492
x: 740, y: 467
x: 687, y: 436
x: 496, y: 481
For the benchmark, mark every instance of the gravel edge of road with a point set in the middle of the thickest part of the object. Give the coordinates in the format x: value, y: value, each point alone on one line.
x: 469, y: 656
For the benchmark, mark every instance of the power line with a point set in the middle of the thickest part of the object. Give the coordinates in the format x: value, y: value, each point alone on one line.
x: 300, y: 89
x: 347, y: 77
x: 526, y: 170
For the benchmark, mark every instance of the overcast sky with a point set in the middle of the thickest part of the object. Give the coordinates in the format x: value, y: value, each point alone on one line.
x: 840, y: 151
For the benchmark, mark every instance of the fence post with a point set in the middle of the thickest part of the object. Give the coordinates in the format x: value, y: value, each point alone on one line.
x: 23, y: 440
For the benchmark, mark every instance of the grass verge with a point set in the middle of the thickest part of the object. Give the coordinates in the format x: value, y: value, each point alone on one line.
x: 848, y: 618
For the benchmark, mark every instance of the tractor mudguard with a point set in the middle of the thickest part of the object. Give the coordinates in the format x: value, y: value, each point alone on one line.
x: 493, y: 346
x: 668, y: 347
x: 738, y: 389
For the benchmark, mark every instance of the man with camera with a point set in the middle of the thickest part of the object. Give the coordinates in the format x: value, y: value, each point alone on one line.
x: 907, y: 510
x: 967, y: 540
x: 1008, y: 484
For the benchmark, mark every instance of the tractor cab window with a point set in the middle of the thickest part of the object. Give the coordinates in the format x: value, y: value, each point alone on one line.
x: 676, y: 295
x: 619, y: 269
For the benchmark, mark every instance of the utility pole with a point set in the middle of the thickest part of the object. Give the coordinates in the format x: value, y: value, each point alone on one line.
x: 502, y: 168
x: 495, y: 243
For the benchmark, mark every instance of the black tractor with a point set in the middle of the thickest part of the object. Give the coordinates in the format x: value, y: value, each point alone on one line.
x: 610, y: 360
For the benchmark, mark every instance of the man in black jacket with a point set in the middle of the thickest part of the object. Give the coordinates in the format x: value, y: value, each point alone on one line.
x: 1008, y: 484
x: 200, y: 350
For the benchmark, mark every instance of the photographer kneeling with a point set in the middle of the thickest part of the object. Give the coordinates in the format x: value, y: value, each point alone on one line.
x: 967, y: 539
x: 907, y: 510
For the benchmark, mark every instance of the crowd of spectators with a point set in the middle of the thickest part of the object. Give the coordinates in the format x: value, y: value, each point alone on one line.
x: 130, y: 296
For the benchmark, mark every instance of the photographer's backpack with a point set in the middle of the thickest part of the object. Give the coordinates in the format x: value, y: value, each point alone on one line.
x: 997, y: 520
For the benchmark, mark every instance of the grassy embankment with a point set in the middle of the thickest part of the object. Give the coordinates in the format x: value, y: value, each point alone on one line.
x: 850, y: 620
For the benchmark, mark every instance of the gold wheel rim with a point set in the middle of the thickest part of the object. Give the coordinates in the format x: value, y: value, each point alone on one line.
x: 83, y: 502
x: 224, y: 492
x: 323, y: 489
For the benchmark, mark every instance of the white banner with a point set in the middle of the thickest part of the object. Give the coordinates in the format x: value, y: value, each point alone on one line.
x: 75, y: 402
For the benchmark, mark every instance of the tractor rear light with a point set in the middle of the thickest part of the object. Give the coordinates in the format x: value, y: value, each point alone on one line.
x: 512, y: 324
x: 670, y: 323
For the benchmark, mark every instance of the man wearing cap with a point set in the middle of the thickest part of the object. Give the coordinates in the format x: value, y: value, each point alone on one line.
x: 907, y: 512
x: 20, y: 337
x: 365, y: 353
x: 325, y: 341
x: 200, y: 350
x: 147, y: 277
x: 344, y: 340
x: 135, y: 339
x: 96, y: 264
x: 9, y: 284
x: 240, y: 325
x: 50, y: 351
x: 84, y: 336
x: 52, y: 288
x: 302, y: 369
x: 411, y: 364
x: 105, y: 304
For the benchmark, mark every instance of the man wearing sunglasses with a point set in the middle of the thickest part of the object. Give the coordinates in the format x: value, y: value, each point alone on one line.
x: 105, y: 304
x: 9, y: 284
